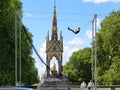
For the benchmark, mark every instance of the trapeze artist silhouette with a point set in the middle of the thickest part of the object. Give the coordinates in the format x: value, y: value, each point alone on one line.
x: 74, y: 31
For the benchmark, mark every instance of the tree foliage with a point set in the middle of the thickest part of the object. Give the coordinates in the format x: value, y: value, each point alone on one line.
x: 7, y: 46
x: 78, y: 68
x: 108, y: 49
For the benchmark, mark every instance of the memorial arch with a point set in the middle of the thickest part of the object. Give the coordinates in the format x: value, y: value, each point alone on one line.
x: 54, y: 47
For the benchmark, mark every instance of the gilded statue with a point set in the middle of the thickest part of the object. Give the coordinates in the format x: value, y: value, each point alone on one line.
x: 54, y: 67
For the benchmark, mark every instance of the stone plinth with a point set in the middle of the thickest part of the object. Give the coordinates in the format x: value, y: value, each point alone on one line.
x: 54, y: 73
x: 54, y: 80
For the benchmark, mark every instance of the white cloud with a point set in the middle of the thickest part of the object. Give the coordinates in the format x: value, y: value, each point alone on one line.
x: 68, y: 50
x: 102, y: 1
x: 89, y: 34
x: 42, y: 51
x: 70, y: 47
x: 41, y: 70
x: 28, y: 14
x: 76, y: 41
x: 98, y: 23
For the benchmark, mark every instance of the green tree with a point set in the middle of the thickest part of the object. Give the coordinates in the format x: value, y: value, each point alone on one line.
x: 7, y: 8
x: 7, y: 45
x: 108, y: 49
x: 78, y: 68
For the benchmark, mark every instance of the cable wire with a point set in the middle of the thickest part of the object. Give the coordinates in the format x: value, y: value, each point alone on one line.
x: 34, y: 47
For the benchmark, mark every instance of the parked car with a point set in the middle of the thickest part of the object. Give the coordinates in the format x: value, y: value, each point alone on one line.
x: 14, y: 88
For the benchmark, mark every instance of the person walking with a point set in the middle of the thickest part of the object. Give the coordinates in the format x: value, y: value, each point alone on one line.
x: 83, y: 85
x: 90, y: 84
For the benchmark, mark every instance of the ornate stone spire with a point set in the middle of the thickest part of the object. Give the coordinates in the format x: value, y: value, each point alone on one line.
x: 54, y: 24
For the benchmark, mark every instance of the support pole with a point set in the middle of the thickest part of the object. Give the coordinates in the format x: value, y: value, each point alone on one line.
x: 95, y: 17
x: 20, y: 51
x: 95, y: 20
x: 94, y: 51
x: 17, y: 54
x: 15, y: 48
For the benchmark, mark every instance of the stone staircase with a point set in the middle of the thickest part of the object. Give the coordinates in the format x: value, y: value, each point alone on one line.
x: 54, y: 83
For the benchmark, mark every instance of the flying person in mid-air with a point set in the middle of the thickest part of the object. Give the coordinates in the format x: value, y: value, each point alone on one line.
x: 74, y: 31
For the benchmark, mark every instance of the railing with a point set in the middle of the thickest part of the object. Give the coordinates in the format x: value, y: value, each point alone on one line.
x: 112, y: 87
x: 77, y: 87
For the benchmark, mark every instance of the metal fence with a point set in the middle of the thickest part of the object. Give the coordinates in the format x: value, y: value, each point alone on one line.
x: 77, y: 87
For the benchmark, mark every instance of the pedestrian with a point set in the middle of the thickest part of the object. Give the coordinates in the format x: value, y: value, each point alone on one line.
x: 83, y: 85
x: 90, y: 84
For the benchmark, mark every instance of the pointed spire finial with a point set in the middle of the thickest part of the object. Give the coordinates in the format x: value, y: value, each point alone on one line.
x: 54, y: 3
x: 54, y: 24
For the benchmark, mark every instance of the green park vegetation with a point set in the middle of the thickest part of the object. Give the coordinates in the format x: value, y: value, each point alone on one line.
x: 79, y: 67
x: 29, y: 74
